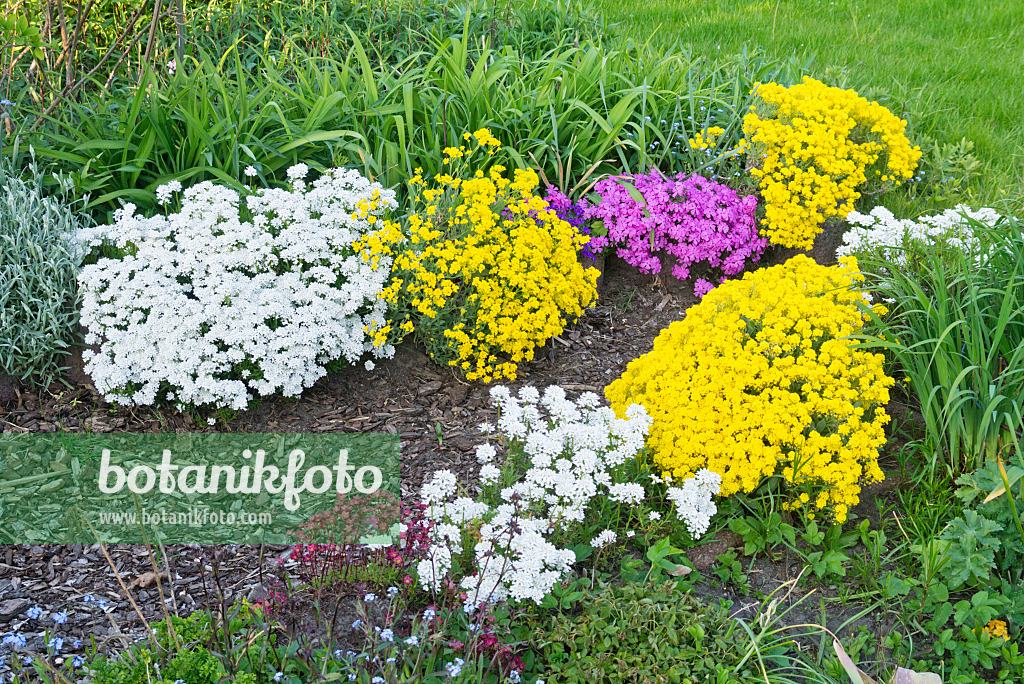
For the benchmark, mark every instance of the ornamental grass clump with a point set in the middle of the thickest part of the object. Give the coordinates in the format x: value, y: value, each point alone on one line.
x: 760, y: 380
x: 203, y: 307
x: 489, y: 271
x: 814, y: 149
x: 703, y: 227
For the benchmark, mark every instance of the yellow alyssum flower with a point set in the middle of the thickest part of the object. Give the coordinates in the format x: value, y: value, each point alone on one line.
x: 707, y: 138
x: 818, y: 146
x: 489, y: 272
x: 760, y: 379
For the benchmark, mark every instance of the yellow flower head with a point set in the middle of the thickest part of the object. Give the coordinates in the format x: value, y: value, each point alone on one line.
x: 492, y: 272
x: 760, y: 378
x: 997, y: 628
x: 816, y: 147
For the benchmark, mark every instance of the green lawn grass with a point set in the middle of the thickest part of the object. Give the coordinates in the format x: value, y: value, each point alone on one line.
x: 953, y: 68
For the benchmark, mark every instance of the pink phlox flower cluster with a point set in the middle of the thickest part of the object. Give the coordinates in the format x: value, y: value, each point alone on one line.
x: 698, y: 223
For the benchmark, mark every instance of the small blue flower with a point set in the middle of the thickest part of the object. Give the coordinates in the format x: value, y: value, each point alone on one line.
x: 6, y: 103
x: 357, y: 624
x: 387, y: 635
x: 60, y: 618
x: 370, y: 598
x: 56, y: 643
x: 351, y: 676
x: 412, y: 641
x: 278, y: 676
x: 392, y: 592
x: 77, y: 661
x: 34, y: 612
x: 14, y: 641
x: 88, y: 598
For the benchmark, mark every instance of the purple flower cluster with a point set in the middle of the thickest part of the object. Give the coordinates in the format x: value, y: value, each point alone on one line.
x: 696, y: 221
x: 575, y: 214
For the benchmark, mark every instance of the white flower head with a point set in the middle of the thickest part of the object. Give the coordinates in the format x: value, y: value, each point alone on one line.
x: 490, y: 474
x: 604, y: 539
x: 216, y: 305
x: 441, y: 485
x: 485, y: 453
x: 298, y: 172
x: 572, y: 453
x: 694, y: 501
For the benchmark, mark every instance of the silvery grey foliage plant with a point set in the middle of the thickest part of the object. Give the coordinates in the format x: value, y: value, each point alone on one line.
x: 39, y: 262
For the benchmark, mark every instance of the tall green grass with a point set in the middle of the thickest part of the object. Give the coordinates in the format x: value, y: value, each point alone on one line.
x: 956, y: 330
x: 573, y: 112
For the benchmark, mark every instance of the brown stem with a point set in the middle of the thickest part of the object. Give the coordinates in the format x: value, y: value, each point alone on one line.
x: 157, y: 6
x: 65, y: 54
x: 72, y: 88
x: 77, y: 35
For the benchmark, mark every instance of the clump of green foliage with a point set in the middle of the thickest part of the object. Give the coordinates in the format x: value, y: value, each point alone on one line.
x: 644, y: 633
x: 178, y: 652
x: 38, y: 267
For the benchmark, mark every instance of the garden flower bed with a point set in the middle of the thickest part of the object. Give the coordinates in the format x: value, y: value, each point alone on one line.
x: 692, y: 371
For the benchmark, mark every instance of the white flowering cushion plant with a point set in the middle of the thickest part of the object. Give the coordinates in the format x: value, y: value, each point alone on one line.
x: 222, y: 300
x: 564, y: 460
x: 879, y: 233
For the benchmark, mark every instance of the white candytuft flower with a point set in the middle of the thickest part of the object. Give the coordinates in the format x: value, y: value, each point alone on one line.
x: 881, y: 232
x: 570, y: 449
x: 441, y: 485
x: 489, y: 473
x: 604, y: 539
x: 485, y: 453
x: 693, y: 500
x: 216, y: 310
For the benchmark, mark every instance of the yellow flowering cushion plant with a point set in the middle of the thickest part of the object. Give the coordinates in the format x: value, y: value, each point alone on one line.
x: 760, y: 379
x: 817, y: 146
x: 489, y: 271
